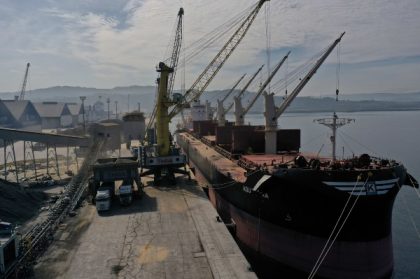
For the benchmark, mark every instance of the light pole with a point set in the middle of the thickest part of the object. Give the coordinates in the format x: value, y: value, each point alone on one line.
x: 116, y: 109
x: 83, y: 98
x: 109, y: 111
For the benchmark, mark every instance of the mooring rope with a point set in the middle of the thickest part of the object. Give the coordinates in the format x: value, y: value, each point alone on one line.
x: 410, y: 215
x: 415, y: 189
x: 330, y: 243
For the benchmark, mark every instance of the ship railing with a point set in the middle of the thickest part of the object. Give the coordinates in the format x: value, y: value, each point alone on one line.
x: 223, y: 152
x: 206, y: 141
x: 243, y: 163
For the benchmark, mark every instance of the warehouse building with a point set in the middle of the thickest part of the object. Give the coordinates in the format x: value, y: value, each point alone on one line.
x: 54, y: 115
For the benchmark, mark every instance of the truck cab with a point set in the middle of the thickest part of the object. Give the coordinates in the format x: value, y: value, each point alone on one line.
x: 103, y: 199
x: 124, y: 192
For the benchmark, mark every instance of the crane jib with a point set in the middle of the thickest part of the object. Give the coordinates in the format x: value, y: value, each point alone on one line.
x: 218, y: 61
x: 280, y: 110
x: 273, y: 73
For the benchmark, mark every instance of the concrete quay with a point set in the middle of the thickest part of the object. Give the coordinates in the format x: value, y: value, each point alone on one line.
x: 171, y: 232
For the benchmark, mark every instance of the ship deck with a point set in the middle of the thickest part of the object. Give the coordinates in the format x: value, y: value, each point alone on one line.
x: 223, y: 164
x: 274, y: 159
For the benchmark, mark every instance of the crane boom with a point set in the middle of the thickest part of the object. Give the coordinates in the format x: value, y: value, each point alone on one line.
x: 280, y: 110
x: 233, y: 88
x: 218, y: 61
x: 245, y: 88
x: 164, y: 101
x: 273, y: 73
x: 175, y: 51
x: 173, y: 63
x: 25, y: 80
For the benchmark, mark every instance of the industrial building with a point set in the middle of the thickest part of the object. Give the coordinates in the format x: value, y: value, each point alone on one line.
x: 133, y: 126
x: 54, y: 115
x: 109, y: 130
x: 76, y: 111
x: 19, y: 114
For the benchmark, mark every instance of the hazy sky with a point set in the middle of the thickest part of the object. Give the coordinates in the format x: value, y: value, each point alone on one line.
x: 107, y: 43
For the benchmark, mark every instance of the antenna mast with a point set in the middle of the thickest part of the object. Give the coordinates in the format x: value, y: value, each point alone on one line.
x: 334, y: 123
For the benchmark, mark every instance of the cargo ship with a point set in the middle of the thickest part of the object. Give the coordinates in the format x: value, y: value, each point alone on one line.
x: 286, y: 206
x: 327, y: 217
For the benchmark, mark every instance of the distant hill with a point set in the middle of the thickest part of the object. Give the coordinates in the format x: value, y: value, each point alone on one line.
x: 347, y: 103
x: 388, y: 97
x: 129, y: 97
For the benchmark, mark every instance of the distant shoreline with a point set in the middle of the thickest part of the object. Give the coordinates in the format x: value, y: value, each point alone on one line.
x: 338, y: 111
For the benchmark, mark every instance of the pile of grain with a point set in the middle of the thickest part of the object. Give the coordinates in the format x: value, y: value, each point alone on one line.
x: 17, y: 204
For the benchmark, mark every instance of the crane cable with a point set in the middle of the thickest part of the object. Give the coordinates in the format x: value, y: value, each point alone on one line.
x: 410, y: 215
x: 415, y: 189
x: 268, y: 41
x: 183, y: 67
x: 286, y: 78
x: 221, y: 93
x: 338, y: 69
x: 328, y: 245
x: 297, y: 72
x: 209, y: 39
x: 152, y: 116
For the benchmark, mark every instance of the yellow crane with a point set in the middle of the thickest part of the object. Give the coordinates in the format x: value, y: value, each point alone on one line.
x: 164, y: 159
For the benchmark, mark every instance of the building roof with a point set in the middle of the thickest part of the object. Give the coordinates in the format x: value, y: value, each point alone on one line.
x: 75, y: 108
x: 51, y: 109
x: 134, y: 116
x: 16, y: 107
x: 6, y: 117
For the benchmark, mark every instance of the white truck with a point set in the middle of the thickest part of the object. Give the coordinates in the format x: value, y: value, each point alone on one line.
x: 103, y: 199
x: 124, y: 192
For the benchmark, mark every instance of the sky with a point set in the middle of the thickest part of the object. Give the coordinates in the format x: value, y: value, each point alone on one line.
x: 108, y: 43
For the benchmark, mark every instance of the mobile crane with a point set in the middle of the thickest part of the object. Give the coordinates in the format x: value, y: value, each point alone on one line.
x: 163, y: 160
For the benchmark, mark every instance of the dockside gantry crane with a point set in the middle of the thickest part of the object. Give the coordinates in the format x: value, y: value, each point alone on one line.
x: 25, y: 80
x: 165, y: 160
x: 272, y: 113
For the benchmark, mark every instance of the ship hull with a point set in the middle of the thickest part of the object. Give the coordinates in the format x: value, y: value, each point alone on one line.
x: 288, y: 217
x: 346, y: 259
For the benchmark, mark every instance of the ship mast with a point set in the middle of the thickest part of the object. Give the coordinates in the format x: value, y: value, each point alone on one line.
x: 334, y: 123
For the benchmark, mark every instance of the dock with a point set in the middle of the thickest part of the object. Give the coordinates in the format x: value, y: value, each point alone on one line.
x: 171, y: 232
